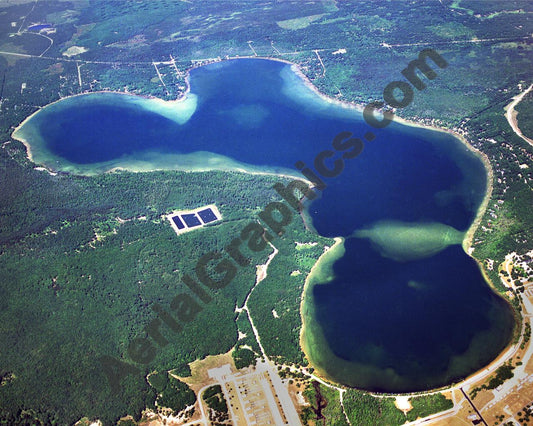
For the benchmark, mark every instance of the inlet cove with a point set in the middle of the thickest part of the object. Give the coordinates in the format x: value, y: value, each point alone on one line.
x: 396, y: 305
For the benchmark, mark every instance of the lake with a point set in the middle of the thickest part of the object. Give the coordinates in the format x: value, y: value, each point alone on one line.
x: 403, y: 307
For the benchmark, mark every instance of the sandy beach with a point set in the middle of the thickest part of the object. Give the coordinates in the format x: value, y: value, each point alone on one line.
x: 324, y: 257
x: 469, y: 236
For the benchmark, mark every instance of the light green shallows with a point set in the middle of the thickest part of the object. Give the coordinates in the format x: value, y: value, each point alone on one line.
x: 405, y: 241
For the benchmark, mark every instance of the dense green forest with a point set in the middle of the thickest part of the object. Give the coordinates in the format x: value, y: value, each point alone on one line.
x: 218, y: 408
x: 364, y: 409
x: 84, y: 260
x: 243, y: 357
x: 171, y: 393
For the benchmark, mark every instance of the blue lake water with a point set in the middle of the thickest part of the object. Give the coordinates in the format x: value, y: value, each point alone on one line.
x: 406, y: 308
x: 39, y: 27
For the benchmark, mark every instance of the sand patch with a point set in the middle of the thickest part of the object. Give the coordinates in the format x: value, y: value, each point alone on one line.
x: 298, y: 23
x: 74, y: 50
x: 403, y: 404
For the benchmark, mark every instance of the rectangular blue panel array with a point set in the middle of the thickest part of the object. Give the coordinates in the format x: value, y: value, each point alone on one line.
x: 178, y: 222
x: 207, y: 215
x: 191, y: 220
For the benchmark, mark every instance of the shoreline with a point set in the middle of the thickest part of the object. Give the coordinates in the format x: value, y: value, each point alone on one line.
x: 469, y: 235
x: 210, y: 169
x: 339, y: 241
x: 294, y: 67
x: 159, y: 101
x: 117, y: 92
x: 39, y: 108
x: 482, y: 208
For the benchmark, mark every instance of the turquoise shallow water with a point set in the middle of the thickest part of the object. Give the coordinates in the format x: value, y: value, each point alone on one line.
x: 407, y: 309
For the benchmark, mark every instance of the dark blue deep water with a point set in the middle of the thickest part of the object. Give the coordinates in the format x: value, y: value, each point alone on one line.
x: 389, y: 325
